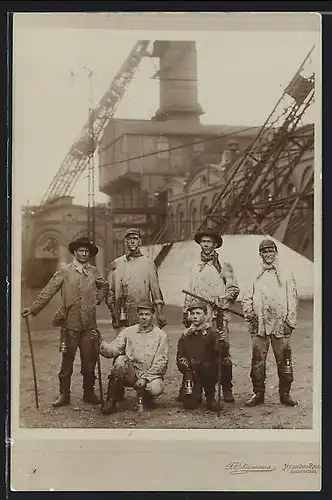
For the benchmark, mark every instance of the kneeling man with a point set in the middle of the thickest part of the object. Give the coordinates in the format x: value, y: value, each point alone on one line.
x: 141, y: 353
x: 197, y: 359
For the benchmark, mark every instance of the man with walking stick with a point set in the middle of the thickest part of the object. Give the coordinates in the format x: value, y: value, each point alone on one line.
x: 217, y: 283
x: 82, y: 289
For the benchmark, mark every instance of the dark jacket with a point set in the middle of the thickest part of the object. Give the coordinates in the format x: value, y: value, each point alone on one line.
x: 197, y: 348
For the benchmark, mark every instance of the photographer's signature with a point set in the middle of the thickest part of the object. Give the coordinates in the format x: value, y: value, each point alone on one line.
x: 237, y: 467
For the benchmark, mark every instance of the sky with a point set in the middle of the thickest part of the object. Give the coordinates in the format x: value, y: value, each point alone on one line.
x: 241, y: 76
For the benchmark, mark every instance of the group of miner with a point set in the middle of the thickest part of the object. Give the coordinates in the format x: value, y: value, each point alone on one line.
x: 140, y: 349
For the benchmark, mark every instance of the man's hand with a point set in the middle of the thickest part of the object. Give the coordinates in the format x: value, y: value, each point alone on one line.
x: 96, y: 335
x: 184, y: 362
x: 26, y: 312
x: 222, y: 336
x: 162, y: 321
x: 140, y: 383
x: 222, y: 303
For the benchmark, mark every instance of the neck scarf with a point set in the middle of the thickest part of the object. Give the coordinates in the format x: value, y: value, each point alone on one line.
x: 145, y: 330
x: 81, y: 268
x: 199, y: 328
x: 266, y: 267
x: 212, y: 257
x: 134, y: 254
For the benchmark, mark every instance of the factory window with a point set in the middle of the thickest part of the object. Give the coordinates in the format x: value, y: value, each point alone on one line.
x: 306, y: 174
x: 192, y: 217
x: 204, y: 209
x: 204, y: 181
x: 163, y: 147
x: 290, y: 189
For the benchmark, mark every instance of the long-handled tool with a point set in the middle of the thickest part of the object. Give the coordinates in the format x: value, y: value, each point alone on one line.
x: 32, y: 360
x: 219, y: 404
x: 210, y: 302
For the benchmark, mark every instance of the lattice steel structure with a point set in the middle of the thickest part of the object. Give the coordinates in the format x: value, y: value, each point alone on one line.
x: 79, y: 155
x: 254, y: 198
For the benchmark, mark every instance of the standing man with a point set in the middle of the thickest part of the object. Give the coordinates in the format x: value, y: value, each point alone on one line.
x: 216, y: 282
x: 82, y: 288
x: 270, y: 307
x: 133, y: 279
x: 141, y: 353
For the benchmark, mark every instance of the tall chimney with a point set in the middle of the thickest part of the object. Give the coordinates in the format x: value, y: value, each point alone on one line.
x: 178, y: 81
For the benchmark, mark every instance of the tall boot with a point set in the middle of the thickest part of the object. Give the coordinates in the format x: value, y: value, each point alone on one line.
x: 113, y: 395
x: 285, y: 373
x: 258, y: 376
x: 211, y: 402
x: 284, y: 390
x: 226, y: 382
x: 89, y: 395
x: 64, y: 397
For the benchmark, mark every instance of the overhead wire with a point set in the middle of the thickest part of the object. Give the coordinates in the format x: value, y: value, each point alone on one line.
x: 192, y: 143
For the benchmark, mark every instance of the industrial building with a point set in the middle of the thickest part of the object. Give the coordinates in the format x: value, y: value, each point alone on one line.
x: 168, y: 175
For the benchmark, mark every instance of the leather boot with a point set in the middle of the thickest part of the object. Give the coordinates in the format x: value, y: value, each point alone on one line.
x: 89, y: 395
x: 226, y: 382
x: 148, y: 400
x: 256, y: 399
x: 64, y: 398
x: 113, y: 393
x: 286, y: 399
x: 211, y: 402
x: 180, y: 394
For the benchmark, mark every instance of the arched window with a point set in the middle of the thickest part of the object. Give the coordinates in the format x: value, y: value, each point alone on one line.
x: 306, y: 174
x: 291, y: 189
x: 204, y: 181
x: 192, y: 217
x: 204, y: 209
x: 266, y: 195
x: 180, y: 221
x: 162, y: 147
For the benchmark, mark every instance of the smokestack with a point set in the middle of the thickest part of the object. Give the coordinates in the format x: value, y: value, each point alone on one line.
x: 178, y: 81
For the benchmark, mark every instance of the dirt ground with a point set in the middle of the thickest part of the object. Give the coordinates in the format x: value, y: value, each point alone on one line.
x: 168, y: 413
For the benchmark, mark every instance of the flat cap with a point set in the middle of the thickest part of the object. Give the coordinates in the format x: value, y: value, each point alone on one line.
x: 145, y: 305
x: 133, y: 230
x: 198, y: 304
x: 267, y: 244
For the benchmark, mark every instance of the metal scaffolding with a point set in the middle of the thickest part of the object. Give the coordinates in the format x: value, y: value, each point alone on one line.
x: 79, y: 156
x: 254, y: 197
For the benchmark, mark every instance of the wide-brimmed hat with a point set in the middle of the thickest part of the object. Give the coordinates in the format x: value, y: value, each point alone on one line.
x: 83, y: 242
x: 145, y: 305
x: 211, y: 233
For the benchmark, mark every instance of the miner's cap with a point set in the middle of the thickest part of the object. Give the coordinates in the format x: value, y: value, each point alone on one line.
x: 267, y: 244
x: 145, y: 305
x: 132, y: 230
x: 199, y: 304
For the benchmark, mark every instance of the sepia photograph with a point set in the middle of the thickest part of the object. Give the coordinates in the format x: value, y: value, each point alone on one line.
x: 165, y: 186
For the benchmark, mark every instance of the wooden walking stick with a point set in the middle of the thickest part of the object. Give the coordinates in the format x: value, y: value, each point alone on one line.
x: 32, y: 360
